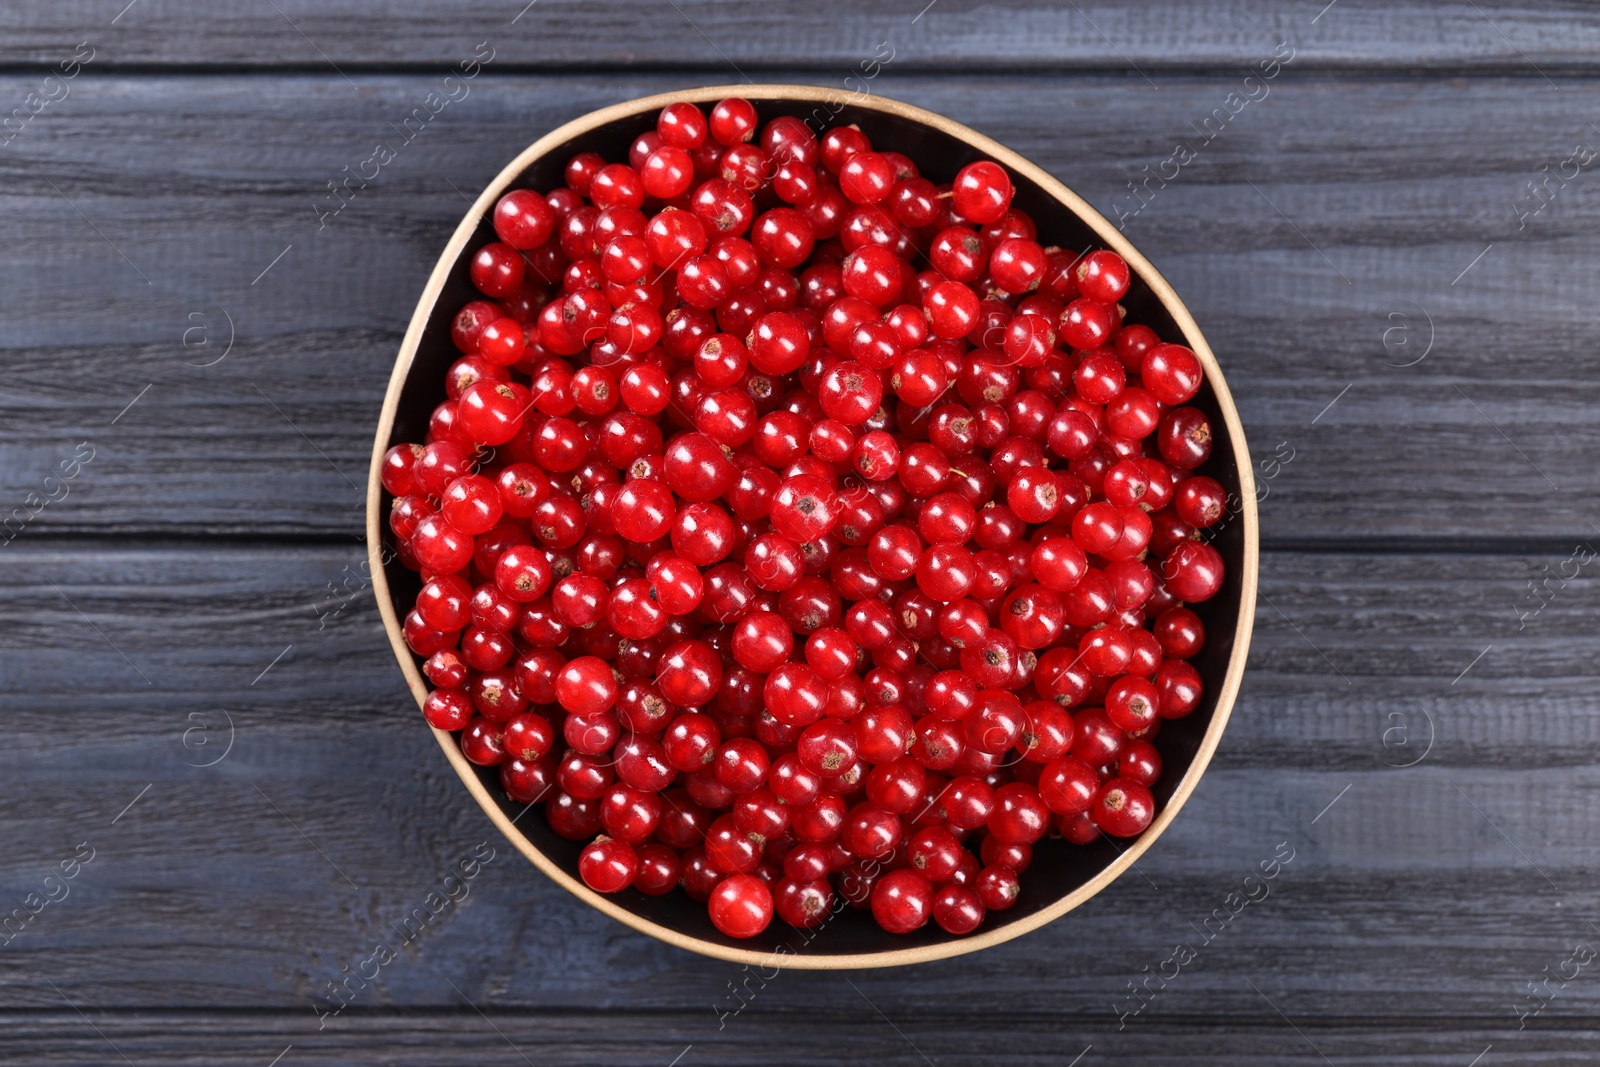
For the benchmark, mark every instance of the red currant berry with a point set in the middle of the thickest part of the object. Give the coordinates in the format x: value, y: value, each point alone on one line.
x: 902, y: 901
x: 608, y: 866
x: 1123, y: 808
x: 741, y: 906
x: 982, y: 192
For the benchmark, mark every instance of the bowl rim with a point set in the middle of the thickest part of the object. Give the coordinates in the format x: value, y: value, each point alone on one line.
x: 1112, y: 239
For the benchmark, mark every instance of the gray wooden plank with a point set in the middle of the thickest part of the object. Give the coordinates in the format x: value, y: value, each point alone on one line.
x: 201, y: 183
x: 1423, y: 897
x: 732, y: 40
x: 513, y: 1039
x: 1443, y: 886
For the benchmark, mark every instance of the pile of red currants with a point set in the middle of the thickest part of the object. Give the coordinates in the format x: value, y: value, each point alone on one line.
x: 805, y: 533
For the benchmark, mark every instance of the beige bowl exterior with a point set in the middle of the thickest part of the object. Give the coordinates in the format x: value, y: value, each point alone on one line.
x: 1108, y: 235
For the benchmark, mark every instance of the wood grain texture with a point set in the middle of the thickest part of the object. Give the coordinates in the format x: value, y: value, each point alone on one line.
x: 749, y: 38
x: 513, y: 1039
x: 1323, y: 238
x: 1419, y: 719
x: 1415, y: 895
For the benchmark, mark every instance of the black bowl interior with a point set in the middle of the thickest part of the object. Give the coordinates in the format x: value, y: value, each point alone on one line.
x: 1058, y: 868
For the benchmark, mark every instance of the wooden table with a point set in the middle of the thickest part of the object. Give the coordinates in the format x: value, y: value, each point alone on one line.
x: 1408, y: 329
